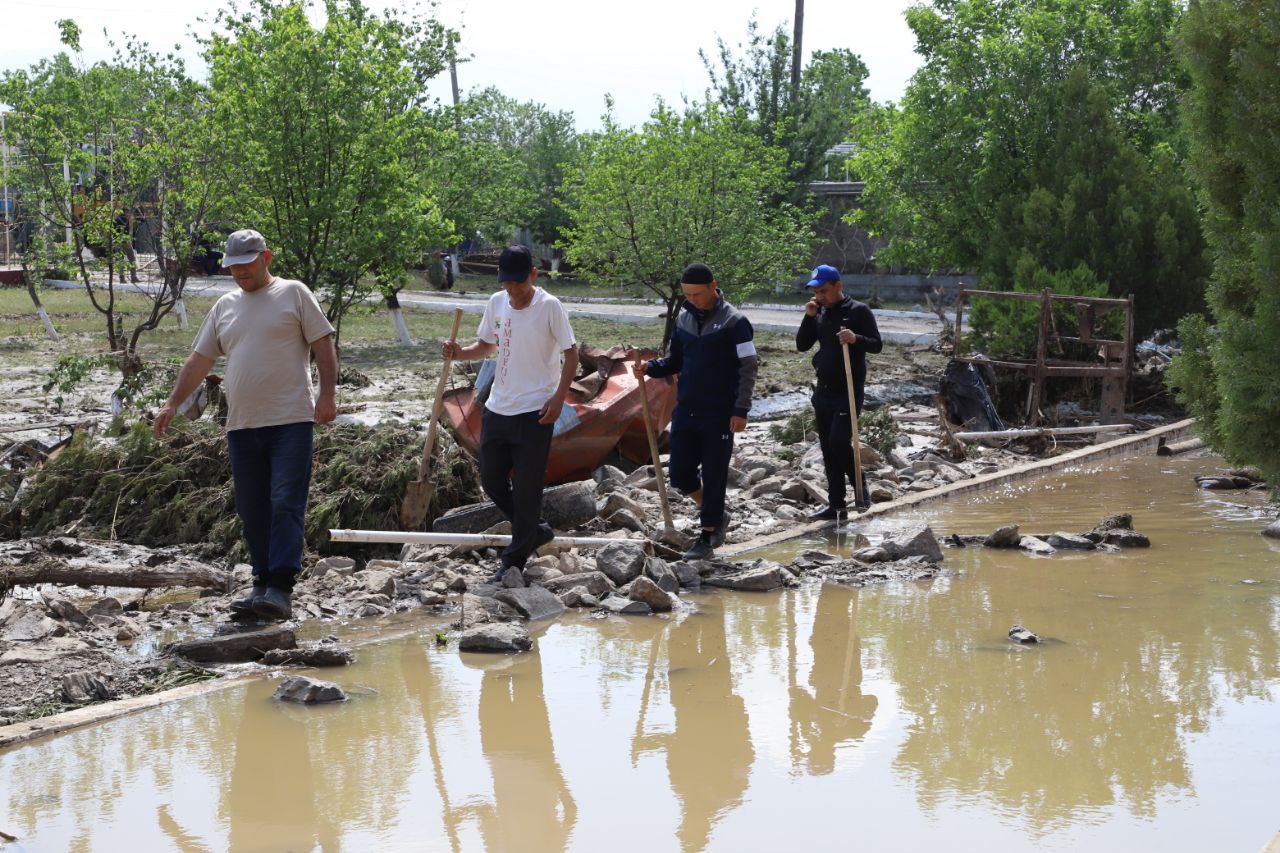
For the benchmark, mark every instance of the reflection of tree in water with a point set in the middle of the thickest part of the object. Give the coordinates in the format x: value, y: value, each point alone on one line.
x: 1051, y: 730
x: 531, y: 798
x: 833, y: 709
x: 709, y: 754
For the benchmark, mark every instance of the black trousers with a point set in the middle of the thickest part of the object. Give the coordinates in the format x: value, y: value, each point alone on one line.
x: 835, y: 437
x: 513, y: 465
x: 700, y: 453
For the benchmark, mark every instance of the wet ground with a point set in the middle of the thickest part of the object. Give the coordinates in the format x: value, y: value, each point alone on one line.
x: 884, y: 718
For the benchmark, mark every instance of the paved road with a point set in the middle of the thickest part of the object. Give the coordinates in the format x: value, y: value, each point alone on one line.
x: 897, y: 327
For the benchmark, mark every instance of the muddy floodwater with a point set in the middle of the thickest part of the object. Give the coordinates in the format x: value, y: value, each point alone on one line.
x: 827, y: 718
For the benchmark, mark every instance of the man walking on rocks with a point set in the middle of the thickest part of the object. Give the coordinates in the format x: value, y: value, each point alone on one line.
x: 832, y: 321
x: 713, y: 352
x: 267, y: 330
x: 529, y: 330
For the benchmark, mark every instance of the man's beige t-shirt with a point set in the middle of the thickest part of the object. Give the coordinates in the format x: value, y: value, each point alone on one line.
x: 266, y: 336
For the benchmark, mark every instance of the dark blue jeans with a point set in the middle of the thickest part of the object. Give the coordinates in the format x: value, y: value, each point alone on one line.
x: 700, y: 452
x: 271, y: 467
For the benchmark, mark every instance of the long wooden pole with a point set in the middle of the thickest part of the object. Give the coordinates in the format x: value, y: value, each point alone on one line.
x: 653, y: 451
x: 478, y: 540
x: 418, y: 493
x: 853, y: 423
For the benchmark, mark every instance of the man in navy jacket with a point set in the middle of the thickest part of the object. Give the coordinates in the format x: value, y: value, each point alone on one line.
x: 713, y: 352
x: 832, y: 321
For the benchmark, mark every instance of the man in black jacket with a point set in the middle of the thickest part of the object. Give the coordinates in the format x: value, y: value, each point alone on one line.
x: 832, y: 320
x: 713, y: 351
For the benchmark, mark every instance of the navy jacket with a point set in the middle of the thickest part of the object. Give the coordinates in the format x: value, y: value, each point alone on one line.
x: 716, y: 358
x: 828, y: 361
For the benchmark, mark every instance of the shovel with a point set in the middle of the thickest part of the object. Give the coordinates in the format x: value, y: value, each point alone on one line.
x: 418, y: 493
x: 853, y: 418
x: 669, y: 528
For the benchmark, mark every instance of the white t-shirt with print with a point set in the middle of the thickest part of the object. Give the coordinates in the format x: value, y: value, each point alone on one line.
x: 530, y: 341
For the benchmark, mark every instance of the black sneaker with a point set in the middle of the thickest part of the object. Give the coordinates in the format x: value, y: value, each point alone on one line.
x: 545, y: 535
x: 273, y: 604
x: 830, y: 513
x: 717, y: 535
x: 244, y: 606
x: 702, y: 547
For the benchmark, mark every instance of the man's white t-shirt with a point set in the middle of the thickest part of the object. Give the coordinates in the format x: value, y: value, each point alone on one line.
x: 529, y: 343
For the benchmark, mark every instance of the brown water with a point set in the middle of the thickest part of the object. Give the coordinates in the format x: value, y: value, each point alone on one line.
x: 892, y: 718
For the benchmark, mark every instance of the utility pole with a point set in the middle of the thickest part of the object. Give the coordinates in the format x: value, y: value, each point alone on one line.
x: 796, y: 39
x: 453, y: 68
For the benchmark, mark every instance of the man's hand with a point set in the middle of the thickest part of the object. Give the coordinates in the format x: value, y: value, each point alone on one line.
x: 846, y: 337
x: 811, y: 307
x: 550, y: 411
x: 161, y: 424
x: 640, y: 367
x: 451, y: 350
x: 737, y: 424
x: 326, y: 408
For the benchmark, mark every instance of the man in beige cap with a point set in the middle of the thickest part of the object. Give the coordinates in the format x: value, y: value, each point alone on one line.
x: 266, y: 329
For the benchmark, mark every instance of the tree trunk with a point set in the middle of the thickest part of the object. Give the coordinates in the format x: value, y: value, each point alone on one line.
x: 182, y: 314
x: 796, y: 38
x: 397, y: 319
x: 668, y: 329
x: 44, y: 315
x: 140, y: 577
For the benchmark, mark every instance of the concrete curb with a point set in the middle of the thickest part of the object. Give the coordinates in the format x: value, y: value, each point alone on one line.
x: 1129, y: 445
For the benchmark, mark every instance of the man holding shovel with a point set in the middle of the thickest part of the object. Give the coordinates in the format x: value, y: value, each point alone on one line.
x: 266, y: 328
x: 529, y: 330
x: 713, y: 351
x: 834, y: 321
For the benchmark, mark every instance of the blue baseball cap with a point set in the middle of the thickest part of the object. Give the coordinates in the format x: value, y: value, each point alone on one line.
x: 822, y: 275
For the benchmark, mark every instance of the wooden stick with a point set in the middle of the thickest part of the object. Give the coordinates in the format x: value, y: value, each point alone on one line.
x: 853, y: 422
x: 653, y: 451
x: 478, y: 540
x: 418, y: 494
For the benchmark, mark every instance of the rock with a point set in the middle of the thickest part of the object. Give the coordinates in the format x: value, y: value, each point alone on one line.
x: 26, y: 624
x: 1272, y: 530
x: 341, y: 565
x: 788, y: 513
x: 48, y: 650
x: 760, y: 576
x: 756, y: 475
x: 915, y: 541
x: 608, y: 474
x: 309, y: 691
x: 1003, y: 537
x: 1018, y: 634
x: 657, y: 570
x: 626, y: 520
x: 378, y: 582
x: 621, y: 563
x: 615, y: 502
x: 235, y: 648
x: 643, y: 589
x: 578, y: 597
x: 127, y: 630
x: 625, y: 606
x: 1126, y: 539
x: 795, y: 490
x: 537, y: 568
x: 1069, y: 541
x: 310, y: 654
x: 860, y: 574
x: 430, y: 598
x: 596, y: 583
x: 1036, y: 546
x: 483, y: 609
x: 563, y: 507
x: 1225, y: 482
x: 880, y: 493
x: 767, y: 486
x: 66, y: 611
x: 109, y: 606
x: 874, y: 554
x: 532, y: 602
x: 497, y: 637
x: 1121, y: 521
x: 686, y: 574
x: 871, y: 457
x: 79, y: 688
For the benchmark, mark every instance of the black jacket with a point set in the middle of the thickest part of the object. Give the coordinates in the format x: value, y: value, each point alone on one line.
x: 828, y: 361
x: 715, y: 355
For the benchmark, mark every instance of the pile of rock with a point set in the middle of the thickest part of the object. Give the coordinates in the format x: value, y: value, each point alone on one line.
x: 1111, y: 534
x: 911, y: 554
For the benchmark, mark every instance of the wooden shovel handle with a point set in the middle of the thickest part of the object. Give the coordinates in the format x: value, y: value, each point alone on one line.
x: 425, y: 465
x: 653, y: 448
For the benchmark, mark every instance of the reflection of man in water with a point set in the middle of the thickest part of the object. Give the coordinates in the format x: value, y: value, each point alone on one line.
x: 836, y: 710
x: 531, y: 799
x: 270, y: 804
x: 709, y: 754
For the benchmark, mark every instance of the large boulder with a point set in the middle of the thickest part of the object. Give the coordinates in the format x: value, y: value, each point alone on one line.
x: 615, y: 502
x: 378, y: 582
x: 915, y: 541
x: 563, y: 507
x: 496, y: 637
x: 24, y: 624
x: 309, y: 691
x: 310, y: 654
x: 625, y: 606
x: 661, y: 573
x: 760, y: 576
x: 1003, y: 537
x: 596, y: 583
x: 79, y: 688
x: 1070, y: 541
x: 533, y: 602
x: 1037, y: 546
x: 643, y: 589
x: 621, y: 562
x: 235, y: 648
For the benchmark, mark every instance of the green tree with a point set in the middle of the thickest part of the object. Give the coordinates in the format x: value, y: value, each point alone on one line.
x: 755, y: 87
x: 691, y: 186
x: 1227, y: 374
x: 321, y: 124
x: 1059, y: 107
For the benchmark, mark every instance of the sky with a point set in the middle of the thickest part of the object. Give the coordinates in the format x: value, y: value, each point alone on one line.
x: 567, y: 54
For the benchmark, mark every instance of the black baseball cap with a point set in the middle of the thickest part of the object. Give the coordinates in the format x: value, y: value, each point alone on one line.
x: 697, y: 274
x: 515, y: 264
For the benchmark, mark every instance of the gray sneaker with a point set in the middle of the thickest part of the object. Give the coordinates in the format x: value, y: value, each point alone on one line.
x: 273, y: 604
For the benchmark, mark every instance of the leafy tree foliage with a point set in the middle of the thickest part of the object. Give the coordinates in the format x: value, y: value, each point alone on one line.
x: 755, y: 88
x: 691, y: 186
x: 322, y: 126
x: 1038, y: 145
x: 1227, y: 375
